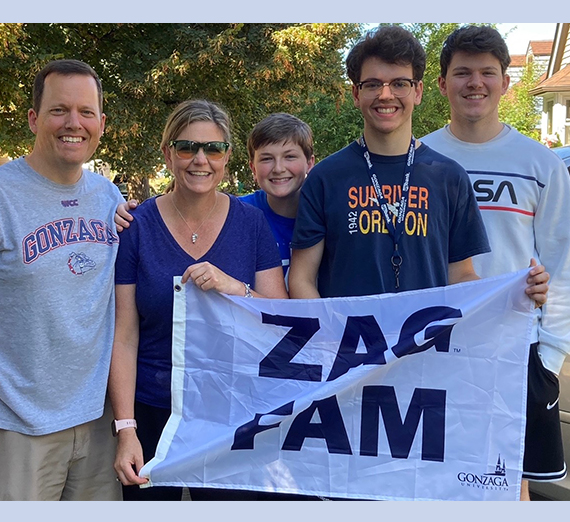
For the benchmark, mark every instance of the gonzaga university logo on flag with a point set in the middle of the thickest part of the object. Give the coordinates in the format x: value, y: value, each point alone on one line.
x: 493, y: 480
x: 386, y: 397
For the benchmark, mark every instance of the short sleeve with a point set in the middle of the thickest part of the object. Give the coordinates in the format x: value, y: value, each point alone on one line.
x: 267, y: 250
x: 310, y: 227
x: 127, y: 262
x: 467, y: 236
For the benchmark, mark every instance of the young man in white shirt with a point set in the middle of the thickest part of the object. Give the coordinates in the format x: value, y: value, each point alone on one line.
x: 523, y: 192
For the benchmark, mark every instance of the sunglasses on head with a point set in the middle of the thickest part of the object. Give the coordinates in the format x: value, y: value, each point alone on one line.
x: 186, y: 149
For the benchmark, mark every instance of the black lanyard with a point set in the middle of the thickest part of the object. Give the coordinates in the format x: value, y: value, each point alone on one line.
x: 395, y: 231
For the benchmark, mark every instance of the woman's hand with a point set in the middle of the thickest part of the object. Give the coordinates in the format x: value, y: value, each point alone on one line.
x: 129, y: 458
x: 209, y: 277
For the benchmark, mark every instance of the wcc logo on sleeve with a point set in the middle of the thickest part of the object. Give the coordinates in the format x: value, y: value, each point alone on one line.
x: 64, y: 232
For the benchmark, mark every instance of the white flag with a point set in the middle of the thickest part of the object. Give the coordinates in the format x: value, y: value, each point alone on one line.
x: 419, y: 395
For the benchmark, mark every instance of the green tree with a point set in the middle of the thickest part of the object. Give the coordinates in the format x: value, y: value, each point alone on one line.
x: 15, y: 91
x: 335, y: 121
x: 433, y: 113
x: 518, y: 107
x: 147, y: 69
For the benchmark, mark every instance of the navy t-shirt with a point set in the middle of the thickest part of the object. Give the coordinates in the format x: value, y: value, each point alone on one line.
x: 150, y: 257
x: 338, y: 204
x: 281, y: 226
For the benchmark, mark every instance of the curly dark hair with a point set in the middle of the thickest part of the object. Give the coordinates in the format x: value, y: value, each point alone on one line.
x: 391, y: 44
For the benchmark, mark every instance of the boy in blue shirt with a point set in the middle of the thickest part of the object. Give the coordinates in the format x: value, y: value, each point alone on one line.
x: 280, y: 149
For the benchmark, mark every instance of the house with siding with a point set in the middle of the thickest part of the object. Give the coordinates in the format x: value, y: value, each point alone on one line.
x: 554, y: 89
x: 518, y: 62
x: 538, y: 52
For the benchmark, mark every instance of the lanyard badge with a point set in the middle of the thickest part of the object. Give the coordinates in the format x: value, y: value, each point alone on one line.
x: 396, y: 230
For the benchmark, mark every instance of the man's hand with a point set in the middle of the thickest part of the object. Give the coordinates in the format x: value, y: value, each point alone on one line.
x: 537, y: 283
x: 122, y: 215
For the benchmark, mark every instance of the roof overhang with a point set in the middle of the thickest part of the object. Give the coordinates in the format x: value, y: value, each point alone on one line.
x: 559, y: 82
x: 537, y: 91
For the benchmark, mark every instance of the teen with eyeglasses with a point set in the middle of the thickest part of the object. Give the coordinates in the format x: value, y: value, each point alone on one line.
x: 351, y: 238
x: 213, y: 241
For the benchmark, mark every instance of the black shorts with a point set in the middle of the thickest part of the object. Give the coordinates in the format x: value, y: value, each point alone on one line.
x: 543, y: 453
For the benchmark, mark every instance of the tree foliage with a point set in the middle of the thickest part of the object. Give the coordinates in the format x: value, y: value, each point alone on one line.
x: 335, y: 122
x: 518, y: 107
x: 433, y: 113
x: 251, y: 69
x: 147, y: 69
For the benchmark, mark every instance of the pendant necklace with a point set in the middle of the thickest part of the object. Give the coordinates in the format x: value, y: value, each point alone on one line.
x: 194, y: 232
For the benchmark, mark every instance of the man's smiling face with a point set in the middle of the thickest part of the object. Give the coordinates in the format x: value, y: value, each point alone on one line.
x: 69, y: 123
x: 386, y: 114
x: 474, y: 84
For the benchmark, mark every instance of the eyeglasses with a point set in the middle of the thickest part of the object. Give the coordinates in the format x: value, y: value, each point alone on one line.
x: 400, y: 87
x: 186, y: 149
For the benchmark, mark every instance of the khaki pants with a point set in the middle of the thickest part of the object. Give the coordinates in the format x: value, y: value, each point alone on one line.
x: 73, y: 464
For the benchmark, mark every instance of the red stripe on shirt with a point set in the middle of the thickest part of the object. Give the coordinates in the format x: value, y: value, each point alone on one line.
x: 508, y: 209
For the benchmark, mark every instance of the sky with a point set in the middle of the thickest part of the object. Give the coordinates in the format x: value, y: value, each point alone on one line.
x: 520, y: 34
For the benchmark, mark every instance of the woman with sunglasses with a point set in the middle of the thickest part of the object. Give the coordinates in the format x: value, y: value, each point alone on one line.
x: 215, y: 242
